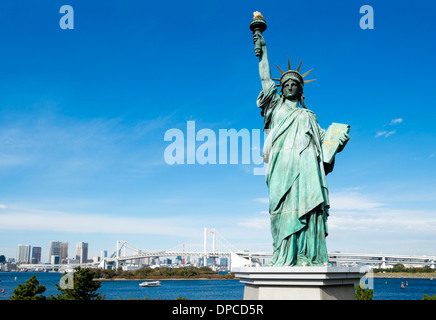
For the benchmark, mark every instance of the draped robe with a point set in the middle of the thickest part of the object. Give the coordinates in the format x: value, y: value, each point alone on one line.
x: 296, y: 179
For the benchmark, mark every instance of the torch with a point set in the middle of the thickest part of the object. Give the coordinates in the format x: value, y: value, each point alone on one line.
x: 257, y: 26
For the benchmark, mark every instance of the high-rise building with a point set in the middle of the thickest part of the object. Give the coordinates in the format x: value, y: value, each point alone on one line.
x: 23, y: 253
x: 54, y: 249
x: 36, y: 255
x: 82, y: 252
x: 55, y: 259
x: 58, y: 248
x: 64, y: 252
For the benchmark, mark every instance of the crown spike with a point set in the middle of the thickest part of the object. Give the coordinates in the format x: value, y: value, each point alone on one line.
x: 289, y: 64
x: 303, y: 75
x: 279, y: 69
x: 309, y: 80
x: 298, y: 69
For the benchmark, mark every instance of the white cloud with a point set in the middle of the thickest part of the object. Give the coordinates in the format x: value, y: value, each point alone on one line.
x: 396, y: 121
x: 367, y: 223
x: 390, y: 133
x: 72, y: 146
x: 395, y: 223
x: 385, y: 133
x: 358, y: 221
x: 261, y: 200
x: 255, y: 223
x: 380, y: 133
x: 11, y: 160
x: 352, y: 201
x: 36, y: 220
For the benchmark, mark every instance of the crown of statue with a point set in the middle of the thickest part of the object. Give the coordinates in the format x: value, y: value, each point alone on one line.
x: 293, y: 74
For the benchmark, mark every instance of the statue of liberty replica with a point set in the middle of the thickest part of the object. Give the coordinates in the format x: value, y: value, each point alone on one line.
x: 299, y: 155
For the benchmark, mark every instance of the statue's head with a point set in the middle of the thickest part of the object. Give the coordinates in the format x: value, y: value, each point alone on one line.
x: 292, y: 83
x: 291, y: 89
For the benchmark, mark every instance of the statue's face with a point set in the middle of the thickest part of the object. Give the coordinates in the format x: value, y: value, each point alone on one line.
x: 291, y: 90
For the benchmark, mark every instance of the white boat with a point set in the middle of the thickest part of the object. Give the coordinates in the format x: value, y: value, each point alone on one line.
x: 150, y: 284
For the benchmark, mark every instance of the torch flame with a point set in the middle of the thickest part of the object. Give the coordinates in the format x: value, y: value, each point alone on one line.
x: 257, y: 15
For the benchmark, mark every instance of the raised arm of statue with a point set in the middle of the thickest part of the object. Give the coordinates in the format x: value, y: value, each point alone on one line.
x: 264, y: 68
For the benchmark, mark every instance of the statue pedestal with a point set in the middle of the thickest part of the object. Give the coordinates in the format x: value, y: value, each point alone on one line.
x: 299, y: 283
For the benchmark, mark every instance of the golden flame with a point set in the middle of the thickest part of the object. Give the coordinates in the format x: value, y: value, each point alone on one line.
x: 257, y: 15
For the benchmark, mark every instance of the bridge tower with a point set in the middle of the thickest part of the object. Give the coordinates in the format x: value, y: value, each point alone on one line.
x: 213, y: 232
x: 383, y: 262
x: 121, y: 244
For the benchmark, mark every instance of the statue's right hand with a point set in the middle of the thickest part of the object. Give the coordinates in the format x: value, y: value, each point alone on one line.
x: 258, y: 37
x: 259, y: 43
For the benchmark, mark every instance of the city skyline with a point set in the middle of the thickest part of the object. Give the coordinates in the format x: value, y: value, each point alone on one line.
x: 27, y: 252
x: 84, y: 113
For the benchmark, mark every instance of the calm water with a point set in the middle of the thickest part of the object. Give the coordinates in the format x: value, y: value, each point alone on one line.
x: 384, y: 289
x: 169, y: 290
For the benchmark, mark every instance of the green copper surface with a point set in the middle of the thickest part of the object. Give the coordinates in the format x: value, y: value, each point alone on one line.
x: 296, y: 171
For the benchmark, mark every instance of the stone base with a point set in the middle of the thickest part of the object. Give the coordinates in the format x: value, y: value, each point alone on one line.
x: 299, y: 283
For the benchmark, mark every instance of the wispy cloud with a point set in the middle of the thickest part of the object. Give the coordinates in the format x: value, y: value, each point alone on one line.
x: 261, y: 200
x: 65, y: 146
x: 261, y: 223
x: 396, y: 121
x: 367, y: 222
x: 352, y: 201
x: 380, y: 133
x: 379, y: 223
x: 361, y: 221
x: 46, y: 220
x: 388, y: 133
x: 385, y: 133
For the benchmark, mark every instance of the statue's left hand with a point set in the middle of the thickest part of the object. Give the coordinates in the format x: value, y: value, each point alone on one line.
x: 343, y: 141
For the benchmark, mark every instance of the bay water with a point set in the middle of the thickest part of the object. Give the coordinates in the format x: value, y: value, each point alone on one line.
x: 384, y: 288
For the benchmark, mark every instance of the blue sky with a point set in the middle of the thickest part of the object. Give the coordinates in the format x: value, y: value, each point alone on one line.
x: 83, y: 114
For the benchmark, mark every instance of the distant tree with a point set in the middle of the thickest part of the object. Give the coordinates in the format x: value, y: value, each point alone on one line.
x: 427, y: 269
x: 84, y: 288
x: 30, y: 290
x: 2, y: 259
x: 399, y: 267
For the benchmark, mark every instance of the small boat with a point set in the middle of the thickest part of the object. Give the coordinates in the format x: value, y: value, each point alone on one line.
x: 150, y: 284
x: 3, y: 291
